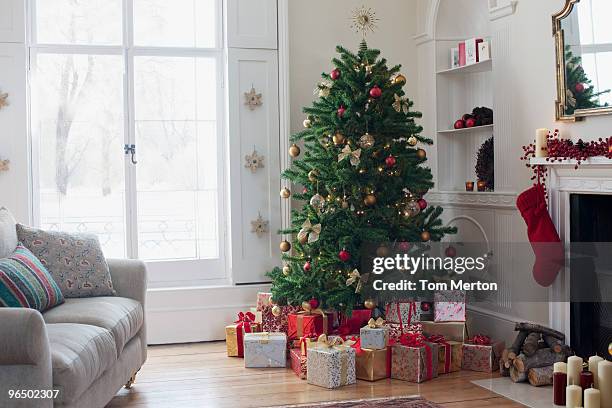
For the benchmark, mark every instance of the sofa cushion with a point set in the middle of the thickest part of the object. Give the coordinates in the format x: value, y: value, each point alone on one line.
x: 8, y: 233
x: 75, y: 261
x: 25, y: 282
x: 80, y: 354
x: 123, y: 317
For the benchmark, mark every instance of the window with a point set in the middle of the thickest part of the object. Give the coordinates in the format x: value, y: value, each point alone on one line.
x: 111, y: 74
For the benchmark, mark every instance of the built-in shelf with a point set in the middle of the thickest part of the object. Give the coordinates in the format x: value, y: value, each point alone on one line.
x: 481, y: 66
x: 466, y: 130
x: 593, y: 161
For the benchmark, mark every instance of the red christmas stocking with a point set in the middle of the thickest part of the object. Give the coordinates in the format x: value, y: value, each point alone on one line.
x: 542, y: 234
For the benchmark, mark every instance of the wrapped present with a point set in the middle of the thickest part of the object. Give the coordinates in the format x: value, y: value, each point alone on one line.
x: 352, y: 325
x: 449, y: 306
x: 403, y: 312
x: 330, y: 363
x: 414, y: 359
x: 454, y: 331
x: 449, y: 354
x: 265, y: 350
x: 396, y: 330
x: 373, y: 365
x: 263, y: 299
x: 234, y: 333
x: 480, y: 353
x: 310, y: 323
x: 301, y: 343
x: 298, y: 362
x: 276, y: 324
x: 257, y: 314
x: 375, y: 335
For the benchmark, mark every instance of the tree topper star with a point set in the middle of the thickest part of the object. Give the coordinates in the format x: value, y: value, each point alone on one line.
x: 364, y: 20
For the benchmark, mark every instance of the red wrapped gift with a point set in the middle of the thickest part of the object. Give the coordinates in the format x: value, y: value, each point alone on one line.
x: 311, y: 323
x: 263, y: 299
x: 403, y: 312
x: 234, y: 333
x: 397, y: 330
x: 276, y: 324
x: 352, y: 325
x: 482, y: 354
x: 414, y: 359
x: 298, y: 363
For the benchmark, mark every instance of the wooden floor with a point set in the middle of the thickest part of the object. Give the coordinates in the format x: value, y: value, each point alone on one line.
x: 201, y: 375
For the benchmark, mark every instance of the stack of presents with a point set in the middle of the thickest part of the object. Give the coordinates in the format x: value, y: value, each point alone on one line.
x: 413, y: 342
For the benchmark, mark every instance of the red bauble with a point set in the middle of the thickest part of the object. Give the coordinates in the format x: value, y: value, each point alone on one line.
x: 344, y: 255
x: 375, y: 92
x: 425, y: 306
x: 450, y: 252
x: 471, y: 122
x: 341, y: 111
x: 579, y: 88
x: 314, y: 303
x: 390, y: 161
x: 307, y: 266
x: 403, y: 246
x: 335, y: 74
x: 422, y: 203
x: 304, y: 190
x: 460, y: 124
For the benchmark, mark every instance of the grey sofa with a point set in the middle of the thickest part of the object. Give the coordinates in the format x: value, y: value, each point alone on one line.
x: 87, y: 348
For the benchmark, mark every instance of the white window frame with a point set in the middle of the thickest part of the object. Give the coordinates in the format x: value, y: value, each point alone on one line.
x: 171, y: 273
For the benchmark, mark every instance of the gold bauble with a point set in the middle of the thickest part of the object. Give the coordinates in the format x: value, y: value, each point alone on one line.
x: 312, y: 175
x: 399, y: 79
x: 338, y: 138
x: 306, y: 306
x: 285, y: 246
x: 285, y: 193
x: 382, y: 251
x: 276, y: 310
x: 294, y: 150
x: 366, y: 141
x: 369, y: 200
x: 369, y: 304
x: 421, y: 154
x: 412, y: 141
x: 425, y: 236
x: 307, y: 123
x: 286, y: 270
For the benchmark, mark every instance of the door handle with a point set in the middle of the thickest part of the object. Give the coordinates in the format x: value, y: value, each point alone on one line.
x: 131, y: 149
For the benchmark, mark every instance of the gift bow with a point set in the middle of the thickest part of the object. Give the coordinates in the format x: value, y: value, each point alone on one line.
x: 400, y: 104
x: 325, y: 342
x: 353, y: 155
x: 441, y: 340
x: 378, y: 323
x: 437, y: 338
x: 355, y: 276
x: 310, y: 231
x: 481, y: 340
x: 243, y: 323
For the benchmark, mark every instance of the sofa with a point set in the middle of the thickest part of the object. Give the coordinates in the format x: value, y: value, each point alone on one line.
x: 86, y: 348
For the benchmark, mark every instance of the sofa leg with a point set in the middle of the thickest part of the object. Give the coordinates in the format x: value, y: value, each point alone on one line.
x: 131, y: 381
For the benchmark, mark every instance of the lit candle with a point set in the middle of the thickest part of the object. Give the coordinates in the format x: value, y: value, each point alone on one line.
x: 469, y: 186
x: 593, y: 363
x: 573, y: 396
x: 541, y: 143
x: 604, y: 374
x: 482, y: 185
x: 592, y: 398
x: 574, y: 367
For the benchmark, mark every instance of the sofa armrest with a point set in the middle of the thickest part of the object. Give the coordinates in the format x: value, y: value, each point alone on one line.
x: 129, y: 278
x: 23, y: 337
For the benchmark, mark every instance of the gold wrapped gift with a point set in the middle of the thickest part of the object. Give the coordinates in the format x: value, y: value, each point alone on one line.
x: 450, y: 330
x: 371, y: 365
x: 455, y: 350
x: 234, y: 337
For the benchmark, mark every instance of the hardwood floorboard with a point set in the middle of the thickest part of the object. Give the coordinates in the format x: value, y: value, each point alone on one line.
x: 201, y: 375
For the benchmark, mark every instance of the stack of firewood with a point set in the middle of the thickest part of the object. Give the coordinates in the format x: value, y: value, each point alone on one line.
x: 533, y: 353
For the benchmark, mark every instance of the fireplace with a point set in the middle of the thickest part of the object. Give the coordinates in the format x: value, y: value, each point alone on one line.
x: 590, y: 221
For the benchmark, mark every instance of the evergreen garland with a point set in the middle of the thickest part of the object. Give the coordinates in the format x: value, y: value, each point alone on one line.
x: 485, y: 164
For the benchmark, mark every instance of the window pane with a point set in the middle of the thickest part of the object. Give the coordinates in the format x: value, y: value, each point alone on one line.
x: 177, y: 23
x: 96, y: 22
x: 77, y: 117
x: 176, y: 130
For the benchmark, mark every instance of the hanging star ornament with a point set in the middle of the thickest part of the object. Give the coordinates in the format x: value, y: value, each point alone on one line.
x: 254, y: 161
x: 364, y: 20
x: 353, y: 155
x: 309, y: 231
x: 259, y: 226
x: 400, y: 104
x: 252, y: 99
x: 3, y: 100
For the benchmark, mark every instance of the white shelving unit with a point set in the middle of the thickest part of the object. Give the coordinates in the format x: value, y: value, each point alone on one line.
x: 482, y: 66
x: 466, y: 130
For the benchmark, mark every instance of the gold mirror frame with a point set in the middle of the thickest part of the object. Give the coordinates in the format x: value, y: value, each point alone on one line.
x: 579, y: 114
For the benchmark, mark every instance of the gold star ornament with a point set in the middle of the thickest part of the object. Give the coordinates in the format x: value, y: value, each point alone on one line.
x: 252, y: 99
x: 259, y: 226
x: 254, y: 161
x: 364, y: 20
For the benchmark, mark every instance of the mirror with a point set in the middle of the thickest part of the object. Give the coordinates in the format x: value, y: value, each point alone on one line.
x: 583, y: 37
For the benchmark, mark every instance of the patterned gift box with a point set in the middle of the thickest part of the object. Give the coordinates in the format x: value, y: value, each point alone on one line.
x: 375, y: 335
x: 298, y: 363
x: 403, y: 312
x: 352, y: 325
x: 330, y: 365
x: 482, y: 357
x: 263, y: 299
x: 451, y: 331
x: 257, y: 314
x: 449, y: 354
x: 373, y: 365
x: 308, y: 324
x: 234, y: 333
x: 414, y: 361
x: 449, y: 306
x: 397, y: 330
x: 265, y: 350
x: 276, y: 324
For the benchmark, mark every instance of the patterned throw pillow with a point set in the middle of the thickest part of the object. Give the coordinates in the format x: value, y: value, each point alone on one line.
x: 75, y: 261
x: 25, y: 282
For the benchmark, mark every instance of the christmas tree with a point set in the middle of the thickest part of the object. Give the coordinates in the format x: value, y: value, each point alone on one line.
x: 580, y: 93
x: 364, y: 180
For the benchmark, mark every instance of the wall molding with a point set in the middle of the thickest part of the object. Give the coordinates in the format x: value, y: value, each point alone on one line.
x: 506, y: 9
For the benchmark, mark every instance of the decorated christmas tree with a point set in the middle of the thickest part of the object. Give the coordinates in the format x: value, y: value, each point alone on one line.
x: 363, y: 174
x: 580, y: 93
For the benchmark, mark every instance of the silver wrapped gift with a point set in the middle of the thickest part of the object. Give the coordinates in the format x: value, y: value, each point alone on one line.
x: 329, y: 364
x: 375, y: 335
x: 265, y: 350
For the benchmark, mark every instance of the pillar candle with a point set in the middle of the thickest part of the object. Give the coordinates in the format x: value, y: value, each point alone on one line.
x: 559, y: 384
x: 574, y: 367
x: 573, y: 396
x: 586, y: 380
x: 604, y: 374
x: 593, y: 363
x: 592, y: 398
x: 541, y: 143
x: 560, y: 367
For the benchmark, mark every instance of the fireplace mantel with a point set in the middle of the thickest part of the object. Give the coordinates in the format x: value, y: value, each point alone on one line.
x: 590, y: 162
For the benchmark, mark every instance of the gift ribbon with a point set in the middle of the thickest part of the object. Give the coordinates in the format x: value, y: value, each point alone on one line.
x: 389, y: 356
x: 411, y: 310
x: 300, y: 320
x: 439, y: 339
x: 304, y: 342
x: 417, y: 340
x: 376, y: 324
x: 481, y: 340
x: 243, y: 323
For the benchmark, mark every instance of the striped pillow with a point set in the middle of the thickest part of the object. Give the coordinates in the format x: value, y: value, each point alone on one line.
x: 25, y: 282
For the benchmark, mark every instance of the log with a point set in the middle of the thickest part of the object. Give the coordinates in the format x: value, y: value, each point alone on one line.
x: 555, y: 344
x: 532, y: 327
x: 517, y: 345
x: 512, y: 355
x: 503, y: 370
x: 541, y: 358
x: 531, y: 344
x: 517, y: 376
x: 540, y: 376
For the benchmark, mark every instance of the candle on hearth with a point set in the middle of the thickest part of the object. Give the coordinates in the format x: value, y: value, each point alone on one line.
x: 481, y: 185
x: 573, y: 396
x: 592, y: 398
x: 469, y: 186
x: 586, y: 380
x: 541, y: 143
x: 574, y: 367
x: 604, y: 374
x: 559, y: 381
x: 593, y: 363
